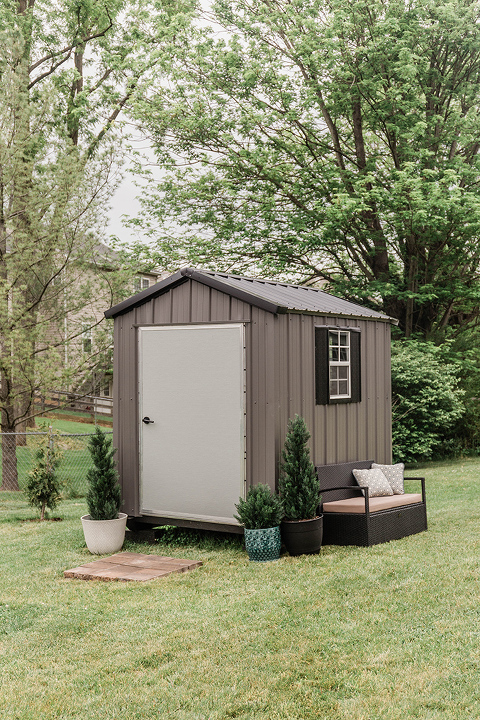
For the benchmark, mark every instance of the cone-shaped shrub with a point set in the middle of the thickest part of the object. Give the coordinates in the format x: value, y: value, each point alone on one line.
x: 260, y: 509
x: 43, y: 488
x: 299, y: 487
x: 104, y: 494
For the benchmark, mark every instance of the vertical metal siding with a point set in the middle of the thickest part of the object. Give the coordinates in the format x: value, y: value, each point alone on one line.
x: 307, y: 379
x: 125, y: 409
x: 181, y: 303
x: 162, y: 308
x: 200, y: 303
x: 340, y: 432
x: 261, y: 399
x: 219, y: 306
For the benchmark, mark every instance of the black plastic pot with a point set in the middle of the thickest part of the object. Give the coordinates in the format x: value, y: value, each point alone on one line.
x: 302, y: 537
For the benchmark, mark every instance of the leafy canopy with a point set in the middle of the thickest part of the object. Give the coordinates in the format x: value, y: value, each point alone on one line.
x: 326, y: 140
x: 68, y: 68
x: 427, y: 399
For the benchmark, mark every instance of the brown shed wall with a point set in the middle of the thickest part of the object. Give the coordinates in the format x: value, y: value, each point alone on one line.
x: 280, y: 383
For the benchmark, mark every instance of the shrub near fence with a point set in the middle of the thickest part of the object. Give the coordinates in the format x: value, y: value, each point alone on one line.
x: 75, y: 459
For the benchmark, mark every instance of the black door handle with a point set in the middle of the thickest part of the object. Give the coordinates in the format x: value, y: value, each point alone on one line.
x: 147, y: 420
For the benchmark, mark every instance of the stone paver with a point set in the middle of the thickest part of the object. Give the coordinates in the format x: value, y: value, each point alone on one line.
x: 131, y: 566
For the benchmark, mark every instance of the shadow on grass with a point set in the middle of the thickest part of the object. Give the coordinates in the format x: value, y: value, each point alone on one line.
x: 204, y: 539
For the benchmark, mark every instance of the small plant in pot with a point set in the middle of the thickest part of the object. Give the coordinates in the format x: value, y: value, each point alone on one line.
x: 302, y: 526
x: 104, y: 526
x: 261, y: 513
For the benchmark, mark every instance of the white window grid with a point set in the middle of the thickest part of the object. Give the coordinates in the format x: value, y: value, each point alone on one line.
x: 339, y: 364
x: 86, y: 338
x: 141, y: 282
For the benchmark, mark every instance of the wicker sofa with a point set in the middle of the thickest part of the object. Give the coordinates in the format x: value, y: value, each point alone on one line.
x: 352, y: 518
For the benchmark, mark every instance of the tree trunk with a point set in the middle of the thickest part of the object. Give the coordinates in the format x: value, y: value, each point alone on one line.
x: 9, y: 462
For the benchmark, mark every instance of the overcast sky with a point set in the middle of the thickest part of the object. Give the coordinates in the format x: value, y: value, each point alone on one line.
x: 124, y: 202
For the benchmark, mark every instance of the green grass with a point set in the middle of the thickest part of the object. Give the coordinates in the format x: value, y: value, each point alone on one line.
x: 388, y: 632
x: 66, y: 426
x: 80, y: 413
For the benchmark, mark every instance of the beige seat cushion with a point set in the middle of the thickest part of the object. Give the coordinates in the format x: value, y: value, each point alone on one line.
x: 357, y: 504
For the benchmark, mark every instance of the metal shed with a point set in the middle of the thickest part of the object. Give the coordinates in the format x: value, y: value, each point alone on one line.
x: 209, y: 367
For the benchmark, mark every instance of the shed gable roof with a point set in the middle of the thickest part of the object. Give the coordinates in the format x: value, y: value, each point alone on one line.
x: 275, y: 297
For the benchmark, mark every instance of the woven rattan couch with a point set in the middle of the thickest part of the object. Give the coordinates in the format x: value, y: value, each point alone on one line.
x: 351, y: 518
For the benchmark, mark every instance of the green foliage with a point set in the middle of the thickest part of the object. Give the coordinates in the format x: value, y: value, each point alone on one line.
x: 43, y: 488
x: 299, y: 487
x: 260, y: 509
x: 327, y: 140
x: 104, y: 494
x: 427, y: 399
x: 382, y: 633
x: 464, y: 437
x: 68, y: 69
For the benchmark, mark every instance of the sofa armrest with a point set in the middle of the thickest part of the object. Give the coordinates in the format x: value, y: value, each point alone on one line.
x: 422, y: 480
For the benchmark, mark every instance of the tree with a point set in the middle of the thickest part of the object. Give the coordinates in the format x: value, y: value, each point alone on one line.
x: 43, y: 487
x: 427, y: 399
x: 298, y: 483
x: 104, y: 494
x: 67, y: 70
x: 328, y: 140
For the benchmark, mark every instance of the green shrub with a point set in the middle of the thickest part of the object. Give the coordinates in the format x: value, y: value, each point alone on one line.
x: 427, y: 399
x: 104, y: 494
x: 43, y: 488
x: 299, y: 487
x: 260, y: 509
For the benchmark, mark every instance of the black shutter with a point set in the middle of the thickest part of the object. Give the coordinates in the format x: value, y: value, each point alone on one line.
x: 322, y: 386
x: 321, y: 366
x: 356, y: 367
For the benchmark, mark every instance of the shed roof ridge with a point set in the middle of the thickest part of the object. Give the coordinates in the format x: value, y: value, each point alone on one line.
x: 270, y: 295
x: 283, y: 284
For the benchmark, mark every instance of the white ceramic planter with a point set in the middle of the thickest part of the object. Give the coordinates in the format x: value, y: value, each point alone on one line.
x: 104, y: 536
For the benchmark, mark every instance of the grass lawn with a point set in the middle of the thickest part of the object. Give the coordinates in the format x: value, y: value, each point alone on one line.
x: 67, y: 426
x: 388, y: 632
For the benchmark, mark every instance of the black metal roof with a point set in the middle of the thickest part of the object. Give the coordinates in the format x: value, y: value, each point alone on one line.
x: 275, y: 297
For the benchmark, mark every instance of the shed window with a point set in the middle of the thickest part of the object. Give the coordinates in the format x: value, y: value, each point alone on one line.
x: 337, y: 365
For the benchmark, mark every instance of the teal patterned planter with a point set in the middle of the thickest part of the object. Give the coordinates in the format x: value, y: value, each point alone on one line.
x: 263, y: 545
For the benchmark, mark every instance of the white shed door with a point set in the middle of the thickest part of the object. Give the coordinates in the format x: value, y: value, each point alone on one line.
x: 192, y: 385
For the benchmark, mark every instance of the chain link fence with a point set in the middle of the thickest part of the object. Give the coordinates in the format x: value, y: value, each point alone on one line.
x: 17, y: 458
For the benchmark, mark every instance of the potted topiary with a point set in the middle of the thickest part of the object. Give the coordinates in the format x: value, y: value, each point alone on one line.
x: 260, y: 514
x: 302, y: 526
x: 104, y: 526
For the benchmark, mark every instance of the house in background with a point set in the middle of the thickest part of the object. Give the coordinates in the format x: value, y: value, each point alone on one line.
x: 84, y: 335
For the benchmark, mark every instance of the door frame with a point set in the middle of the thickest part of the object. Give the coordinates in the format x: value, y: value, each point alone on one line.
x: 243, y: 450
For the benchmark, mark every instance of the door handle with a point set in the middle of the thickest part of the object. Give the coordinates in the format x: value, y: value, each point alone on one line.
x: 147, y: 420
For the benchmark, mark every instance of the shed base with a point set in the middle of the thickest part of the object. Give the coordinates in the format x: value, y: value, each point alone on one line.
x: 145, y: 523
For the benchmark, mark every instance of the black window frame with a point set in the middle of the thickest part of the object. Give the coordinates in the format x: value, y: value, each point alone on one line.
x: 322, y: 365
